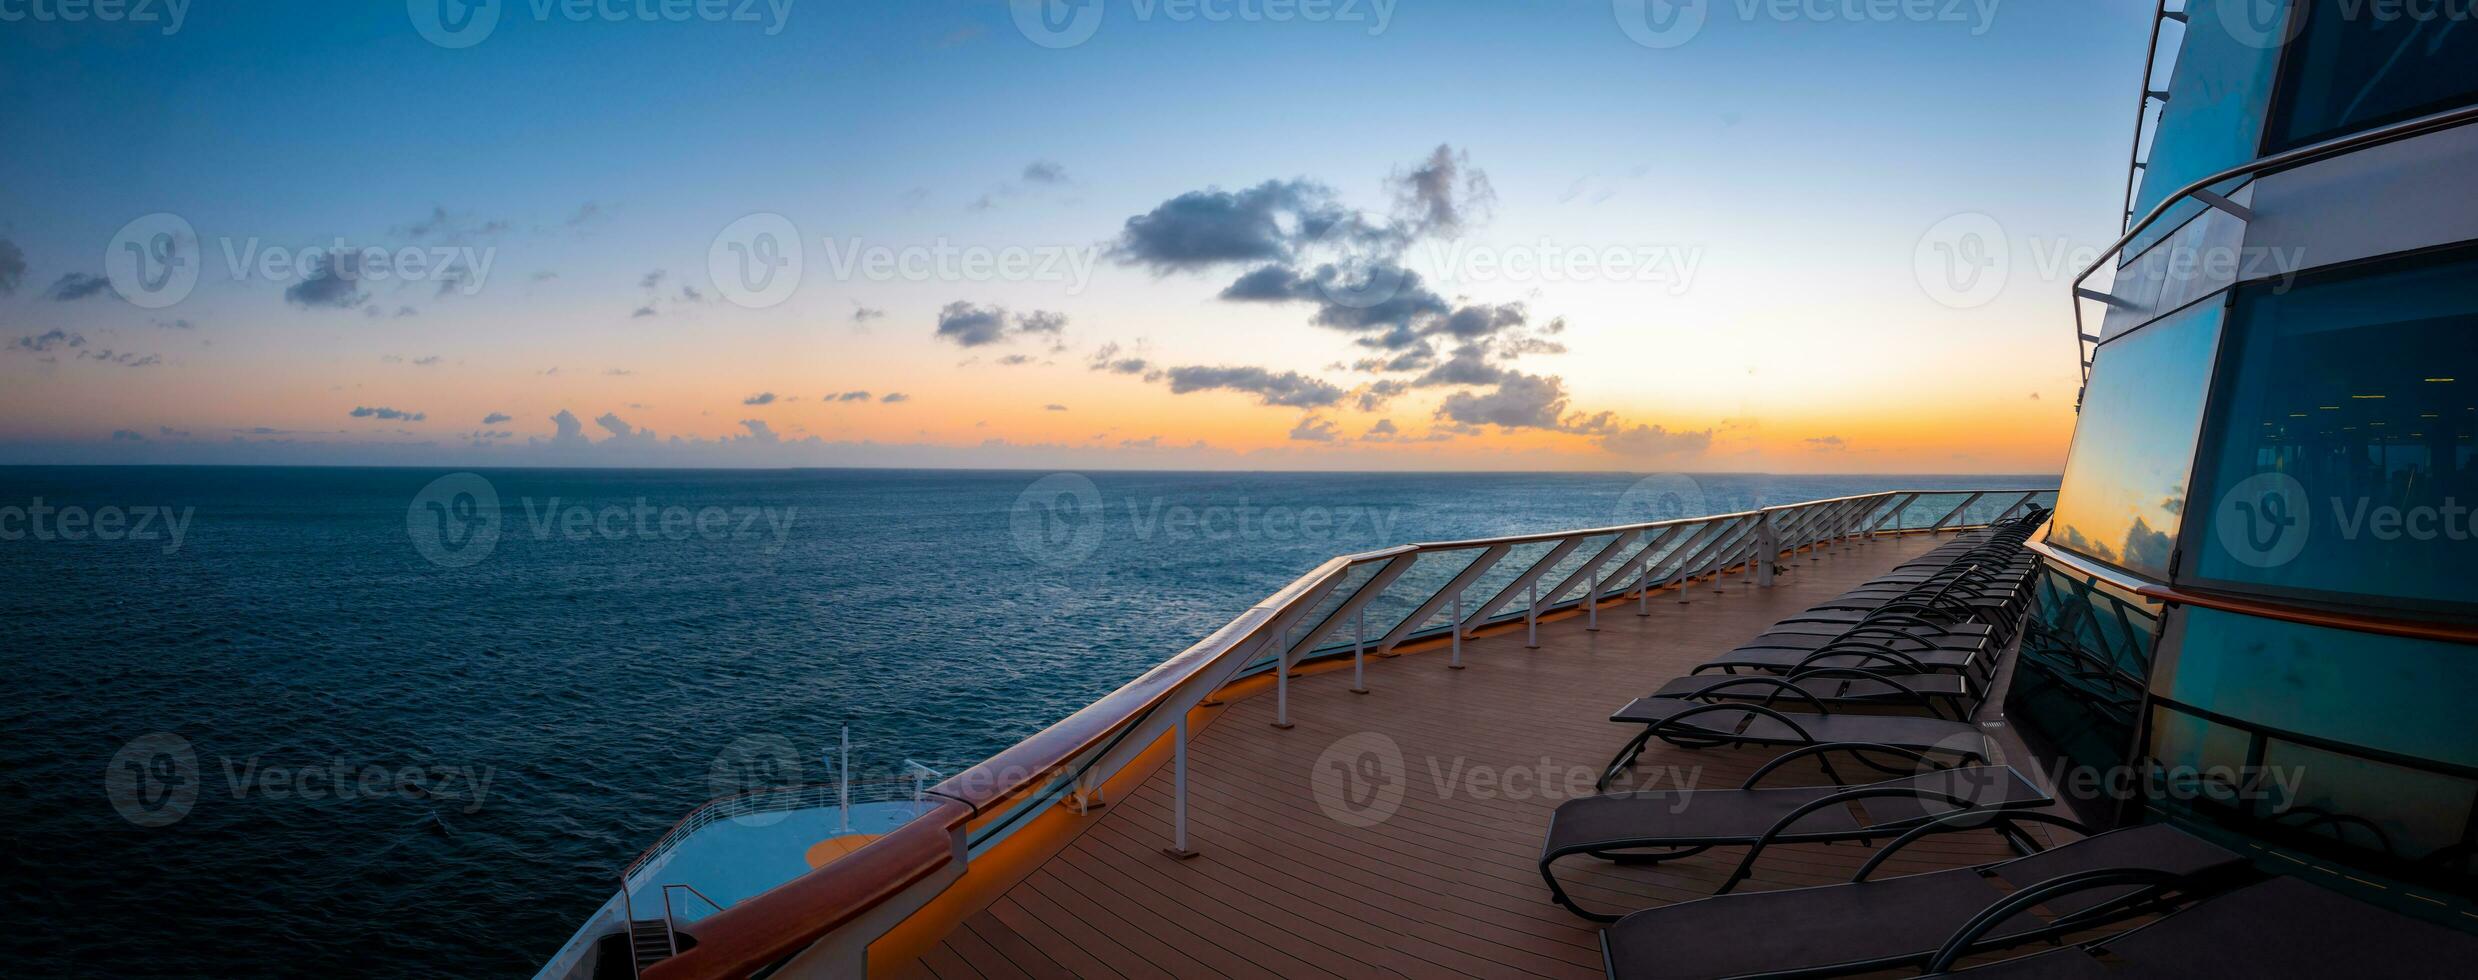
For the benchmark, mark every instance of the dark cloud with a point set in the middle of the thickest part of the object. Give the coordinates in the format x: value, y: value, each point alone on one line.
x: 892, y: 397
x: 643, y: 311
x: 761, y: 398
x: 1042, y: 321
x: 1468, y: 366
x: 1014, y: 360
x: 1288, y: 388
x: 1108, y: 359
x: 388, y: 414
x: 760, y: 432
x: 849, y: 396
x: 443, y: 226
x: 12, y: 267
x: 979, y: 326
x: 1442, y: 194
x: 49, y: 341
x: 120, y: 358
x: 1376, y: 394
x: 1520, y: 401
x: 169, y: 432
x: 864, y: 314
x: 1652, y: 441
x: 331, y: 283
x: 1054, y: 407
x: 495, y: 418
x: 651, y: 279
x: 1202, y: 229
x: 430, y: 361
x: 127, y: 435
x: 1821, y: 443
x: 1383, y: 429
x: 76, y: 286
x: 1045, y: 172
x: 1314, y: 429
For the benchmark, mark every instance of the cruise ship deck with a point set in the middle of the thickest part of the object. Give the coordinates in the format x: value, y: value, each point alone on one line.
x: 1448, y: 881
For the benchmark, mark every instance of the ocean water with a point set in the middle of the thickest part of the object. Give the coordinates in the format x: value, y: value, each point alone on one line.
x: 394, y: 722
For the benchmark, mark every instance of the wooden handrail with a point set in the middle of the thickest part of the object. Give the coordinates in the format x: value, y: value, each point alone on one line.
x: 2416, y: 629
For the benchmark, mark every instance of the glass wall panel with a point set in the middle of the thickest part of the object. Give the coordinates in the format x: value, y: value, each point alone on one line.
x: 2125, y: 480
x: 2357, y: 64
x: 2341, y: 461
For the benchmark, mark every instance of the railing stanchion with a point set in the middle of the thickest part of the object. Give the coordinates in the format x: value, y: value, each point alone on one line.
x: 1591, y: 603
x: 1282, y: 681
x: 1643, y: 583
x: 1178, y: 791
x: 1456, y: 628
x: 1768, y: 552
x: 843, y: 798
x: 1531, y: 615
x: 1359, y: 652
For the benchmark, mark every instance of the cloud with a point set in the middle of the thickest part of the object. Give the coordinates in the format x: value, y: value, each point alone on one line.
x: 495, y: 418
x: 620, y: 429
x: 1374, y: 395
x: 760, y: 432
x: 892, y: 397
x: 651, y: 280
x: 127, y: 435
x: 1442, y: 194
x: 442, y: 226
x: 1016, y: 360
x: 1314, y: 429
x: 1045, y: 172
x: 616, y: 372
x: 1520, y: 401
x: 1826, y: 444
x: 1383, y: 429
x: 643, y: 311
x: 1054, y: 407
x: 1288, y: 388
x: 174, y: 324
x: 76, y: 286
x: 388, y: 414
x: 864, y: 314
x: 979, y: 326
x: 585, y: 213
x: 47, y: 342
x: 330, y: 283
x: 849, y: 396
x: 1201, y: 229
x: 123, y: 358
x: 569, y: 431
x: 430, y: 361
x: 1107, y: 359
x: 12, y: 267
x: 761, y: 398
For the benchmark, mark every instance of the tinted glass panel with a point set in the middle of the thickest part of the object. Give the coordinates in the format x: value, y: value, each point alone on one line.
x: 2340, y: 464
x: 2125, y: 482
x: 2357, y: 64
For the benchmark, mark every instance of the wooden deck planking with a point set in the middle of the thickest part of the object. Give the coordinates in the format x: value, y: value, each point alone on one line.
x: 1448, y: 885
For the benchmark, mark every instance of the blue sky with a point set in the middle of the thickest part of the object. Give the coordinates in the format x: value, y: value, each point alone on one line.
x: 1798, y: 159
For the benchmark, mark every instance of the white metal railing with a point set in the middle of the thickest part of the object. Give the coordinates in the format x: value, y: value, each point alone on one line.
x: 1355, y: 605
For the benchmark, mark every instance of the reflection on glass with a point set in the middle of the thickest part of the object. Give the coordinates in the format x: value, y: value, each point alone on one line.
x: 2341, y: 461
x: 2354, y: 68
x: 2125, y: 480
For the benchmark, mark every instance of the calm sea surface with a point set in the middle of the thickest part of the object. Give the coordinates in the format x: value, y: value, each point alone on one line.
x: 431, y: 717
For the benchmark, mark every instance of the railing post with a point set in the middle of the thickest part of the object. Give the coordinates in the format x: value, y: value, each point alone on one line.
x: 1643, y: 583
x: 1591, y: 603
x: 1178, y: 792
x: 1282, y: 681
x: 843, y: 797
x: 1359, y: 651
x: 1768, y: 547
x: 1456, y: 629
x: 1531, y: 615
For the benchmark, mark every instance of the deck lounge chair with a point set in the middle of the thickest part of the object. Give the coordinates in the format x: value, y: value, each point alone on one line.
x: 2283, y: 927
x: 1700, y: 724
x: 1900, y: 922
x: 1949, y: 696
x: 1651, y: 826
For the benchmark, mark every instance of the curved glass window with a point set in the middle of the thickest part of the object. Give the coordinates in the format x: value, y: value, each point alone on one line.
x: 2358, y: 64
x: 2125, y: 480
x: 2340, y: 463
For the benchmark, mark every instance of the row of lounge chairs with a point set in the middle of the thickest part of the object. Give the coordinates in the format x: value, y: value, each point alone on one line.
x: 1927, y: 637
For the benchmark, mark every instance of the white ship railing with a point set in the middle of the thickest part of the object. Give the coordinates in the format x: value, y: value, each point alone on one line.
x: 1393, y: 600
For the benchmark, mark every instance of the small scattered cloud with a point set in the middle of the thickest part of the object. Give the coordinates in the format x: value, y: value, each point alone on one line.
x: 127, y: 435
x: 495, y: 418
x: 1314, y: 429
x: 1288, y: 388
x: 49, y: 341
x: 761, y: 398
x: 76, y: 286
x: 1046, y: 172
x: 12, y: 267
x: 863, y: 314
x: 643, y: 312
x: 849, y: 396
x: 967, y: 325
x: 1054, y: 407
x: 388, y: 414
x: 330, y: 284
x: 892, y: 397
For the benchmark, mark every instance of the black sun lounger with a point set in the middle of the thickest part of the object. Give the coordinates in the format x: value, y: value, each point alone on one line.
x: 1950, y: 696
x: 1698, y: 724
x: 1889, y: 923
x: 1878, y: 657
x: 2279, y: 928
x: 1650, y: 826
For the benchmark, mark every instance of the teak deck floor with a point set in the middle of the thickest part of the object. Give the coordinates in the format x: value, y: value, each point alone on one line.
x: 1449, y: 884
